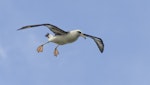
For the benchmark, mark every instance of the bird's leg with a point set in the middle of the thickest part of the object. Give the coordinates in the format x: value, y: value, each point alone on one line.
x: 40, y: 48
x: 56, y: 51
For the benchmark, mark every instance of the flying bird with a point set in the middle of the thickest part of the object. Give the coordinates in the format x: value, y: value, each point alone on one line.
x: 62, y: 37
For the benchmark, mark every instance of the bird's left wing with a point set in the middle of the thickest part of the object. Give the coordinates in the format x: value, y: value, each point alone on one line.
x: 98, y: 41
x: 53, y: 28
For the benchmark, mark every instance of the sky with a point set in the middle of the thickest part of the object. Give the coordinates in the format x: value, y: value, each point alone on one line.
x: 123, y: 25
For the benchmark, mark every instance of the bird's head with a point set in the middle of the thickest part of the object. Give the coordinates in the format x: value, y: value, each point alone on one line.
x: 80, y: 34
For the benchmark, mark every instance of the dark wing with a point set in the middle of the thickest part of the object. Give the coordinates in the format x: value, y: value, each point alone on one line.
x: 53, y: 28
x: 98, y: 41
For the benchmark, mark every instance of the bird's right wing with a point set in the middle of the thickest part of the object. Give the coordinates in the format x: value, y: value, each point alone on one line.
x: 98, y: 41
x: 54, y: 29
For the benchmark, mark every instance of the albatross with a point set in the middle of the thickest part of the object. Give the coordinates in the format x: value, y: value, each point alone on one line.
x: 62, y: 37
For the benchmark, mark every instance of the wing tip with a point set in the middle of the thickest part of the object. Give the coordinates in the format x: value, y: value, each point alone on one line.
x: 102, y: 48
x: 101, y: 45
x: 19, y: 29
x: 25, y: 27
x: 22, y: 28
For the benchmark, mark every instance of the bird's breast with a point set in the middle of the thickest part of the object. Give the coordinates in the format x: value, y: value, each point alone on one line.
x: 64, y: 39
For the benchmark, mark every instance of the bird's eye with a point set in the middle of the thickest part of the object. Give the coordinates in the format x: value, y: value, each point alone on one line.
x: 79, y: 32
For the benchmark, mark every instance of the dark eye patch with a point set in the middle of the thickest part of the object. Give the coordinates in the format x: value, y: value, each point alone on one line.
x: 79, y: 32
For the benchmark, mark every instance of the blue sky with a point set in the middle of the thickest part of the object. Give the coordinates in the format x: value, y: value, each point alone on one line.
x: 123, y: 25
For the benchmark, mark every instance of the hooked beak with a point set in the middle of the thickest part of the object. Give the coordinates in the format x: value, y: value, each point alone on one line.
x: 82, y: 35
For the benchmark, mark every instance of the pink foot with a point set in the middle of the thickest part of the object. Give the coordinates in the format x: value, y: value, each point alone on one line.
x: 56, y: 52
x: 40, y: 48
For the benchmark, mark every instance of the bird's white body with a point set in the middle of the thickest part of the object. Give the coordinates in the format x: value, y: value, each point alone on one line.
x: 64, y: 39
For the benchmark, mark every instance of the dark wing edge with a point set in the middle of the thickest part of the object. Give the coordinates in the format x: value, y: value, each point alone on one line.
x: 30, y: 26
x: 98, y: 41
x: 53, y: 28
